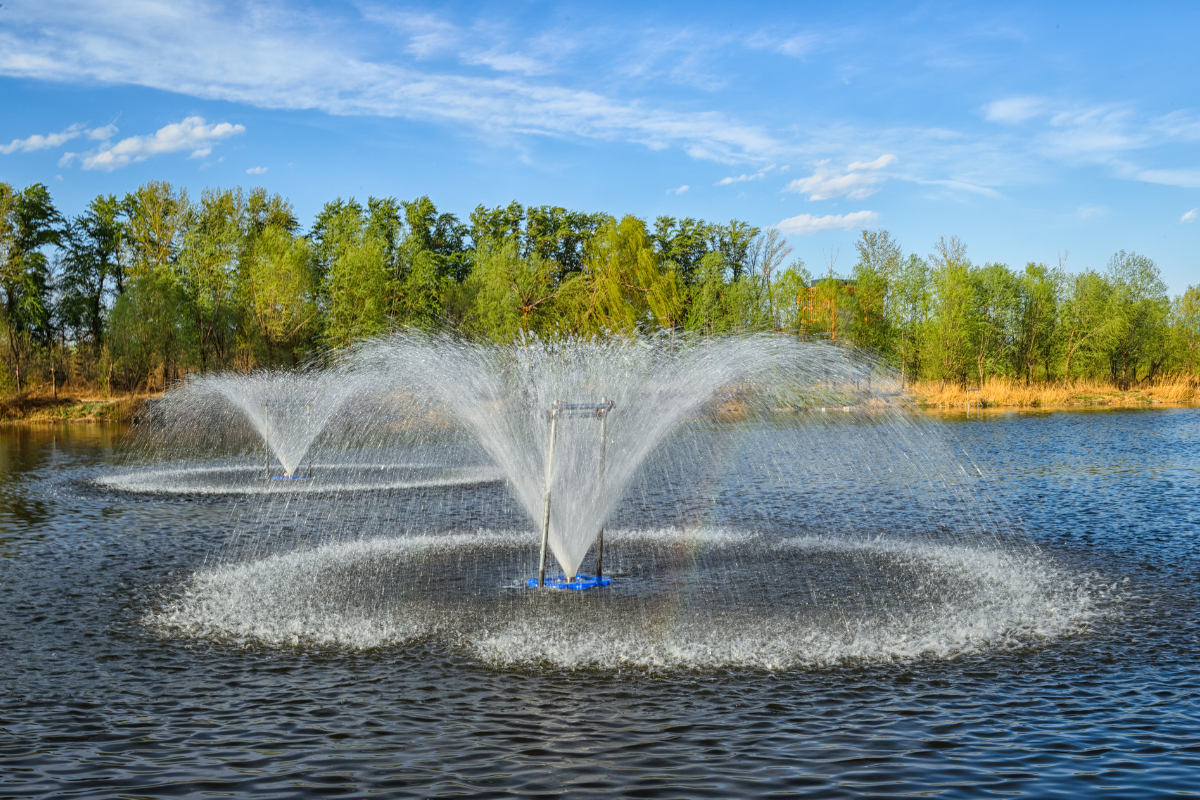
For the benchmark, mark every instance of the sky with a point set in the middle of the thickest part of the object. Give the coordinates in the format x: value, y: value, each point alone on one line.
x: 1054, y: 133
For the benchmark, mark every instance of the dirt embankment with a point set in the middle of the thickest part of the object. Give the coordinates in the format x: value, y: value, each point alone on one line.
x: 37, y: 407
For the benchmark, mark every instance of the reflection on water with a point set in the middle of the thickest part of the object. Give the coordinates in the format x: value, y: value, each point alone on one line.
x: 95, y: 702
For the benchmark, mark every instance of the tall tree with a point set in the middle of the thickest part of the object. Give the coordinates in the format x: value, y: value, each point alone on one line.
x: 155, y: 216
x: 1086, y: 319
x: 997, y: 298
x: 879, y: 262
x: 93, y: 267
x: 950, y: 329
x: 28, y: 224
x: 1038, y: 319
x: 1140, y: 310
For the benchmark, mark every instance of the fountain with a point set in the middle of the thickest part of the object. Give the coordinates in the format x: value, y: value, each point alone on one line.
x: 754, y: 501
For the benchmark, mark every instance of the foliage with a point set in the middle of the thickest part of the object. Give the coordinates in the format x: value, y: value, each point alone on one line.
x: 139, y: 290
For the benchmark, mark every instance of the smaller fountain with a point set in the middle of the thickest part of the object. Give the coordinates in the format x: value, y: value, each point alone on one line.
x: 561, y: 410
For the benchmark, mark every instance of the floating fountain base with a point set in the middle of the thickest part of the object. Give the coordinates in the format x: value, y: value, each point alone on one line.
x: 289, y: 477
x: 580, y: 583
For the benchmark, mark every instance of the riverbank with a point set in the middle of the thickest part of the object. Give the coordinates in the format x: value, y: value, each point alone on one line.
x: 41, y: 407
x: 37, y: 406
x: 1006, y: 393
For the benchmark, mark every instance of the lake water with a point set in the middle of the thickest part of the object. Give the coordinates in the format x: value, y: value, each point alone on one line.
x: 1034, y: 632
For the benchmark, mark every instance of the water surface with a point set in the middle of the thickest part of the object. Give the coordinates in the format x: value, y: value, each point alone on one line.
x: 97, y: 701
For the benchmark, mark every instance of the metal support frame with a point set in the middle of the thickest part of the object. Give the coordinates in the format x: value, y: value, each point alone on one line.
x: 562, y: 409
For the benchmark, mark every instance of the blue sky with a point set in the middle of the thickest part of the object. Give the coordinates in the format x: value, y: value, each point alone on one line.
x: 1032, y: 132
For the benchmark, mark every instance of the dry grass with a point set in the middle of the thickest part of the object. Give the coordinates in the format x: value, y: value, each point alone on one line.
x: 40, y: 406
x: 1008, y: 393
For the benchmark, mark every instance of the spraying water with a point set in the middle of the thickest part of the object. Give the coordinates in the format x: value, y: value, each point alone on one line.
x: 515, y: 397
x: 768, y: 502
x: 287, y: 409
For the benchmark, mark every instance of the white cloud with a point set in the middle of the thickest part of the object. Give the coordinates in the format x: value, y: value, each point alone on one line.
x: 879, y: 163
x: 757, y: 176
x: 39, y: 142
x: 257, y: 170
x: 1186, y: 178
x: 247, y: 54
x: 1189, y: 216
x: 193, y: 133
x: 859, y: 181
x: 1088, y: 211
x: 807, y: 223
x: 680, y: 190
x: 1014, y: 109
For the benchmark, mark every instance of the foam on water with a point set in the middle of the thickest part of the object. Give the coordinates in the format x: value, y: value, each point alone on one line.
x: 343, y: 477
x: 737, y: 600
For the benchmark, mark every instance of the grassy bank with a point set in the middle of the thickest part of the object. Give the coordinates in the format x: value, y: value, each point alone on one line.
x: 1007, y: 393
x: 41, y: 406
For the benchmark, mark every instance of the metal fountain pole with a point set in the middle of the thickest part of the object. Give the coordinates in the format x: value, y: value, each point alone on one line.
x: 600, y: 537
x: 266, y: 444
x: 549, y: 485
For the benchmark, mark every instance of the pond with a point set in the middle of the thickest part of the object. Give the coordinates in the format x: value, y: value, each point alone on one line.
x: 161, y: 644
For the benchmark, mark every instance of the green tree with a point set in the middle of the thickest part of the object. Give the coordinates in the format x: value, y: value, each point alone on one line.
x: 28, y: 224
x: 155, y: 218
x: 622, y: 288
x: 682, y: 243
x: 1140, y: 311
x: 951, y: 321
x: 1038, y: 319
x: 93, y: 269
x: 150, y: 329
x: 210, y: 250
x: 1186, y: 328
x: 512, y: 295
x: 1086, y: 320
x: 879, y: 263
x: 281, y: 289
x: 997, y: 296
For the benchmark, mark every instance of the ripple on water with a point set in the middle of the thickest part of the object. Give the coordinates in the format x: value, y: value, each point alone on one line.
x: 681, y: 599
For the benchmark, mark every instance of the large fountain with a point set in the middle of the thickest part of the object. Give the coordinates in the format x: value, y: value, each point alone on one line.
x: 754, y: 501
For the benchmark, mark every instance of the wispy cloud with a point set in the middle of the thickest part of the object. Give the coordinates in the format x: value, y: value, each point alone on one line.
x: 193, y: 133
x: 679, y: 190
x: 807, y: 223
x: 1014, y: 109
x: 1190, y: 216
x: 247, y: 55
x: 257, y: 171
x: 754, y: 176
x: 50, y: 140
x: 1186, y: 178
x: 859, y: 180
x: 1108, y: 134
x: 1089, y: 211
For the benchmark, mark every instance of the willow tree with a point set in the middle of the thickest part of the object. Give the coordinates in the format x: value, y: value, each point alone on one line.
x: 622, y: 288
x: 280, y: 289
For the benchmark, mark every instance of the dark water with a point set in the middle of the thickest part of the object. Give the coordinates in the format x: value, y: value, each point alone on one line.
x: 95, y: 702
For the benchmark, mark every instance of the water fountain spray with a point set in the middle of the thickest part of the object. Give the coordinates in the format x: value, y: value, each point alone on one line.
x: 587, y: 410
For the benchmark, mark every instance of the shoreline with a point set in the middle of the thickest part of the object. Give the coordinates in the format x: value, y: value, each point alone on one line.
x: 89, y: 408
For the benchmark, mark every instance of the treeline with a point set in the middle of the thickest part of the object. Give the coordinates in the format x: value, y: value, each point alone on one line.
x: 138, y: 291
